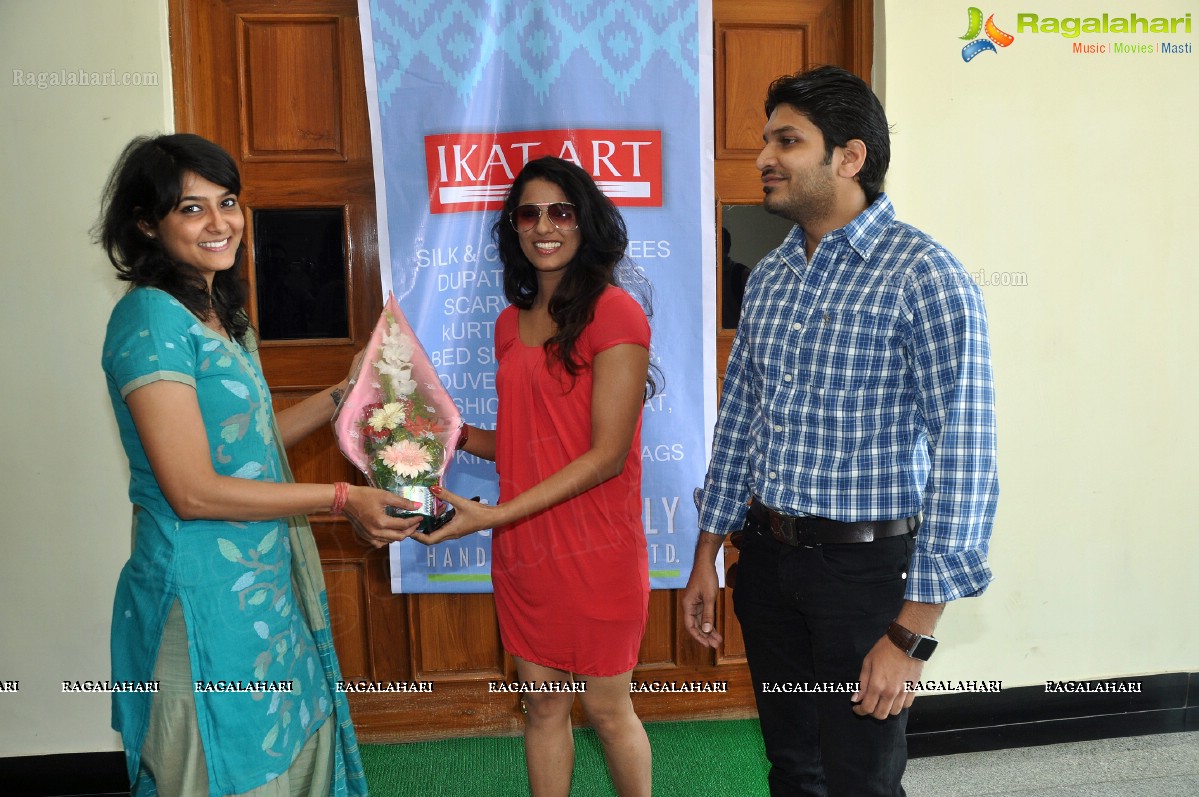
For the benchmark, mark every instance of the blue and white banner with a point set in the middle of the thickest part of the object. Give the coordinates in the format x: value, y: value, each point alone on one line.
x: 462, y: 94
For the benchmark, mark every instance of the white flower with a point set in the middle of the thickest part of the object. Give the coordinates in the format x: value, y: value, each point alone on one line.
x: 397, y: 348
x: 388, y: 417
x: 400, y: 376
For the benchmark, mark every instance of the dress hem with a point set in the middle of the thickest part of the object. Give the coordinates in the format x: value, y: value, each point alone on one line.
x: 542, y: 662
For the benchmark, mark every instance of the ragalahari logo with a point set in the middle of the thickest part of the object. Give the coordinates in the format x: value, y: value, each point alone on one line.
x: 984, y: 44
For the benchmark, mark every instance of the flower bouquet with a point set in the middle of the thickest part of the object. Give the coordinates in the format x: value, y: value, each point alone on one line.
x: 397, y: 424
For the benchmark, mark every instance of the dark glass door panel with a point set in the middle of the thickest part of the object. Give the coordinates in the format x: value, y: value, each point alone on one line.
x: 749, y: 234
x: 300, y: 273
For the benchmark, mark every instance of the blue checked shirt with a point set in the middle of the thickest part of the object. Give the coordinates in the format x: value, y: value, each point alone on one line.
x: 859, y: 388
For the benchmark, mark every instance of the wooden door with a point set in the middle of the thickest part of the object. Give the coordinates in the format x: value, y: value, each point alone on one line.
x: 755, y: 42
x: 280, y: 85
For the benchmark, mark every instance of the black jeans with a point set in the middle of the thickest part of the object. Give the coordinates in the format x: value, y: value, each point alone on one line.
x: 809, y: 616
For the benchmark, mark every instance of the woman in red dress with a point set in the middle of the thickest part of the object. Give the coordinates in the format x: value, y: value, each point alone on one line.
x: 570, y: 567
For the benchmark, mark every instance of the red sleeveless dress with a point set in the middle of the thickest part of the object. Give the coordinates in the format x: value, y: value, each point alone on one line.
x: 572, y: 582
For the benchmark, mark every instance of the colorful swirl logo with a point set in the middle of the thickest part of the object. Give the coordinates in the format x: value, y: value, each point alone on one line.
x: 994, y: 36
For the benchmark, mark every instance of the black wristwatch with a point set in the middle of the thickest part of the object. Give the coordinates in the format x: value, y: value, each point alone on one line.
x: 916, y: 646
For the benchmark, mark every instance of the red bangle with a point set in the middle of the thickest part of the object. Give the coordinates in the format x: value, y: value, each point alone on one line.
x: 463, y: 436
x: 341, y: 494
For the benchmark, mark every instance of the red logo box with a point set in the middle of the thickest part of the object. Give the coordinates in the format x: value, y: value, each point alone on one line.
x: 474, y: 171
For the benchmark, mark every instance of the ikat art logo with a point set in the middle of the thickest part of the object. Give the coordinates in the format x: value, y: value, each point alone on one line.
x: 986, y: 43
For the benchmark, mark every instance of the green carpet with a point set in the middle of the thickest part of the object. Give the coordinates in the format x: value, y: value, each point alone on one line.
x: 691, y: 759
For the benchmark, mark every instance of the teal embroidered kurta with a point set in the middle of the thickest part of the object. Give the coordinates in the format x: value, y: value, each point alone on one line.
x: 251, y: 592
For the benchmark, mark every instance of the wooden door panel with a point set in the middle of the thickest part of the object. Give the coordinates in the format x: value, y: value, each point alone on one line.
x: 316, y: 458
x: 346, y: 589
x: 280, y: 85
x: 455, y: 636
x: 739, y: 181
x: 658, y: 644
x: 388, y: 616
x: 291, y: 87
x: 758, y: 41
x: 752, y: 56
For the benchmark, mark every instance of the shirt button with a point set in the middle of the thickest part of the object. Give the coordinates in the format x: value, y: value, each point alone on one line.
x: 796, y: 325
x: 786, y: 377
x: 778, y: 428
x: 772, y: 475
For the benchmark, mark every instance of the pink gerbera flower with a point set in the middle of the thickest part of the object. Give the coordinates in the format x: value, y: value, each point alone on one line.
x: 406, y: 458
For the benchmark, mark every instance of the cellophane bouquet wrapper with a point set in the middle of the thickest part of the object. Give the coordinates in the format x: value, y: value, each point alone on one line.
x: 397, y: 423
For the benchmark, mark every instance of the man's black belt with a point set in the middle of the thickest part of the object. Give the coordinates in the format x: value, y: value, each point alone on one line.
x: 812, y: 530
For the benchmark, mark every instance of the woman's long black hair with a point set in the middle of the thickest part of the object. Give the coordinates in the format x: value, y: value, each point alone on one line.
x: 145, y: 185
x: 603, y: 239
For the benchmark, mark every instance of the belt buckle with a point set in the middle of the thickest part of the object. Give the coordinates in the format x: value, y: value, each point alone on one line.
x: 785, y: 530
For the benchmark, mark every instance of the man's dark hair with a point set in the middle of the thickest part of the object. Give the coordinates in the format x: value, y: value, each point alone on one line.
x: 842, y: 107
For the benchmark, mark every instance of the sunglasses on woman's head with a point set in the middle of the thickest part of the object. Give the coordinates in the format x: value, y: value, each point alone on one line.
x: 562, y: 216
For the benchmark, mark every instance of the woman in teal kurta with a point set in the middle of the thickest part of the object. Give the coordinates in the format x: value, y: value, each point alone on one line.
x: 222, y: 599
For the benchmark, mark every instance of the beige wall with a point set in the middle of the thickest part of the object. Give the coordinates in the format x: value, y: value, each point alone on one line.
x: 63, y: 483
x: 1072, y: 173
x: 1078, y: 174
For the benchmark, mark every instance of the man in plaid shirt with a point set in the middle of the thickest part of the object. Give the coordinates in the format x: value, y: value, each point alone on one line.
x: 855, y: 446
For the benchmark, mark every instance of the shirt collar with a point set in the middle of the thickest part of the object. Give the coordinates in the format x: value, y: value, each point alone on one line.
x: 866, y: 228
x: 862, y: 232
